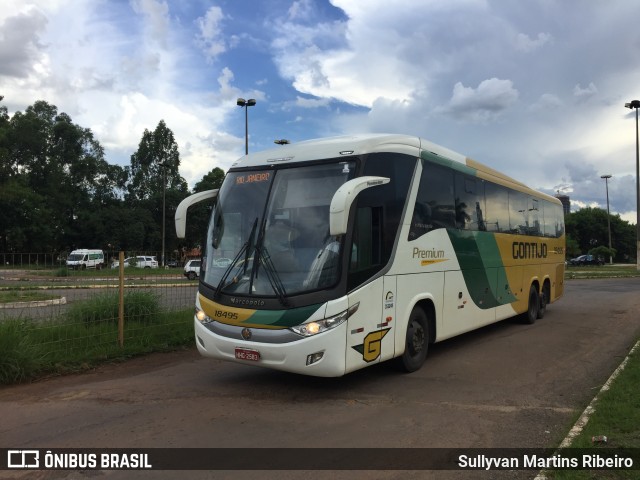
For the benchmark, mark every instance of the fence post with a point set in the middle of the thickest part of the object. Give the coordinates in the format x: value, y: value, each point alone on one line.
x: 121, y: 301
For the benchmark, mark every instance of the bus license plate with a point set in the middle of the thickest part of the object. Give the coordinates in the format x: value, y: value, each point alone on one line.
x: 246, y: 354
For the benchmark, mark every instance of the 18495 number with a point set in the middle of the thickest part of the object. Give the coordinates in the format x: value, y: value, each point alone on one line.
x: 226, y: 315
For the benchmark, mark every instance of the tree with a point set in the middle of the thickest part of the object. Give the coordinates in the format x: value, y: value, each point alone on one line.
x: 210, y: 181
x: 55, y: 167
x: 588, y: 227
x: 154, y: 181
x: 57, y: 192
x: 155, y: 162
x: 603, y: 252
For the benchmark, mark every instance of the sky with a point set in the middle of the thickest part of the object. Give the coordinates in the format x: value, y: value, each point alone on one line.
x: 535, y: 89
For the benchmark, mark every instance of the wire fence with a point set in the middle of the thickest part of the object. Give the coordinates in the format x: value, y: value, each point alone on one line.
x: 65, y: 312
x: 34, y: 261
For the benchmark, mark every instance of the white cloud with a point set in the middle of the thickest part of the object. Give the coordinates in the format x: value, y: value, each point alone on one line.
x: 503, y: 82
x: 526, y: 44
x: 546, y: 102
x: 156, y: 14
x: 300, y: 10
x: 20, y: 44
x: 344, y: 60
x: 210, y: 38
x: 585, y: 93
x: 483, y: 103
x: 311, y: 102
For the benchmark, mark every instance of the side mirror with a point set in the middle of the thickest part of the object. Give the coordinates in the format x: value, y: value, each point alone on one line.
x: 344, y: 197
x: 181, y: 211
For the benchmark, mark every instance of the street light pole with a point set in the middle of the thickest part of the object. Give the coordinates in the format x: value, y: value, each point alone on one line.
x: 164, y: 185
x: 606, y: 183
x: 635, y: 104
x: 241, y: 102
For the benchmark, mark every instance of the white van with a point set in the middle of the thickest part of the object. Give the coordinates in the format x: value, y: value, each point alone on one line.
x: 84, y: 258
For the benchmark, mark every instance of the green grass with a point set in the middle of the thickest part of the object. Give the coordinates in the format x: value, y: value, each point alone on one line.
x: 604, y: 271
x: 616, y: 416
x: 140, y: 306
x: 11, y: 296
x: 88, y: 336
x: 103, y: 273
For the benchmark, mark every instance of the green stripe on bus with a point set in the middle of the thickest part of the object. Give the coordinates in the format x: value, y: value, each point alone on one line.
x: 481, y: 266
x: 283, y: 318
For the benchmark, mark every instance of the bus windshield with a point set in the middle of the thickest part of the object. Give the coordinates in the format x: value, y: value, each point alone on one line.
x: 269, y: 231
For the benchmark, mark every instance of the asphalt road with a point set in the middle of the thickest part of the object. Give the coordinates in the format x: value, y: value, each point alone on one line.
x: 506, y: 385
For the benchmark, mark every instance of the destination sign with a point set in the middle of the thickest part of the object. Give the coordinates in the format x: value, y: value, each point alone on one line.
x: 253, y: 178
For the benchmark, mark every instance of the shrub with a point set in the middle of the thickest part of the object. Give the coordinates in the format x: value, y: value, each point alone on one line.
x: 62, y: 272
x: 18, y: 357
x: 138, y: 306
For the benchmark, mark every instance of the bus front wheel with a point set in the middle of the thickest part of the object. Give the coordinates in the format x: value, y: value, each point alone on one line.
x: 417, y: 342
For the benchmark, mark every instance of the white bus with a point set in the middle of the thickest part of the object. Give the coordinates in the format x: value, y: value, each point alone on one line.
x: 329, y: 255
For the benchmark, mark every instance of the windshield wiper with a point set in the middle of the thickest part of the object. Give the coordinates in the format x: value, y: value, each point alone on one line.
x: 246, y: 250
x: 272, y: 275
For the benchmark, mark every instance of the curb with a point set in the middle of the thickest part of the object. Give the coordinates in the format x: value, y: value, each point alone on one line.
x: 35, y: 303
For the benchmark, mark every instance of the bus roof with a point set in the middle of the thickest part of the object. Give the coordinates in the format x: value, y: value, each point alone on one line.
x: 333, y: 147
x: 330, y: 147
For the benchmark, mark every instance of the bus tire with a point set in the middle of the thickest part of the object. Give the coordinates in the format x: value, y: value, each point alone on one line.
x: 531, y: 315
x: 544, y: 300
x: 416, y: 343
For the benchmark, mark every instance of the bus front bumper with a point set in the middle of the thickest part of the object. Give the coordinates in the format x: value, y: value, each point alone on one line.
x: 321, y: 355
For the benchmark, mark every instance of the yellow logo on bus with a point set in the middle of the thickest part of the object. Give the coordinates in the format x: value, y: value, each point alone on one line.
x: 372, y: 346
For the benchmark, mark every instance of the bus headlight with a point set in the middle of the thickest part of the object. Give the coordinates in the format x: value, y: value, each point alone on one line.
x: 201, y: 316
x: 318, y: 326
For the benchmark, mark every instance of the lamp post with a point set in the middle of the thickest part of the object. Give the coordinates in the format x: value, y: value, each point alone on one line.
x: 636, y: 104
x: 164, y: 187
x: 606, y: 183
x: 246, y: 104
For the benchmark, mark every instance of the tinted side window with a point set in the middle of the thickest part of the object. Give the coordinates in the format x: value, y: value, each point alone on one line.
x: 497, y: 211
x: 435, y: 203
x: 366, y: 249
x: 553, y: 219
x: 518, y: 213
x: 469, y: 202
x: 535, y: 217
x: 390, y: 197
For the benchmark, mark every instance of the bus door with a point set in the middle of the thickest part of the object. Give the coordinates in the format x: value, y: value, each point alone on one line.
x: 368, y: 334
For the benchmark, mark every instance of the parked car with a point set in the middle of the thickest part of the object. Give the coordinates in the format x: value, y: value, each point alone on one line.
x: 141, y: 261
x: 587, y: 260
x: 192, y: 269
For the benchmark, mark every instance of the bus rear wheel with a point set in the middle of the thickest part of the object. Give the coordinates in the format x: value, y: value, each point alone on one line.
x: 416, y: 343
x: 544, y: 300
x: 531, y: 315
